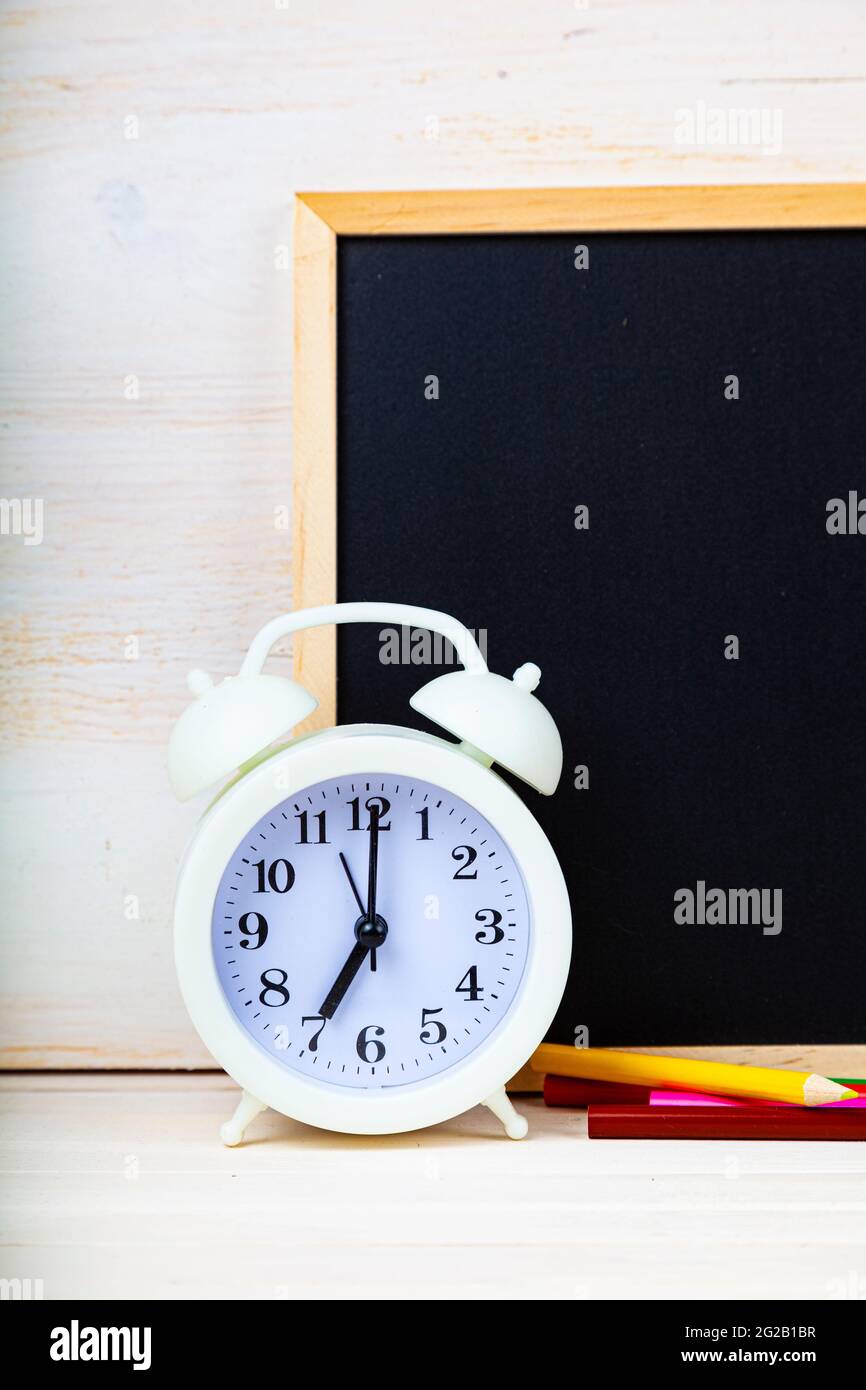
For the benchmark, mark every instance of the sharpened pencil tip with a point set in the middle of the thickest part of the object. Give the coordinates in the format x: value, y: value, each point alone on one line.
x: 818, y: 1090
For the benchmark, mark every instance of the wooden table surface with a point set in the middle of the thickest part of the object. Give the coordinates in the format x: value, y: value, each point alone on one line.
x: 118, y: 1187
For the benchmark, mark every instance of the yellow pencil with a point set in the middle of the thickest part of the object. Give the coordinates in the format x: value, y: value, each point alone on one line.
x: 686, y: 1074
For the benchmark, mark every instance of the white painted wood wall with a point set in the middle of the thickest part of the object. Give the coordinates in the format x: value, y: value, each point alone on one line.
x: 149, y: 155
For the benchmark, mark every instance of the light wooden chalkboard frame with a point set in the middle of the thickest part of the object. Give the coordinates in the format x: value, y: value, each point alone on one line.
x: 320, y: 218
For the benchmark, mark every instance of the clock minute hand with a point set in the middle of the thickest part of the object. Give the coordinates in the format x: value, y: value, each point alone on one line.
x: 372, y: 873
x: 370, y: 930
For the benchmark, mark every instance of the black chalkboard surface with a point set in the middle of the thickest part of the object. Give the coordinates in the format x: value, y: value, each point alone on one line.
x: 728, y: 764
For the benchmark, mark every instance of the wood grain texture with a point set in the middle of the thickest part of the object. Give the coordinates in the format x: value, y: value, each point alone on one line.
x: 646, y: 209
x: 134, y: 1197
x: 314, y: 493
x: 148, y: 160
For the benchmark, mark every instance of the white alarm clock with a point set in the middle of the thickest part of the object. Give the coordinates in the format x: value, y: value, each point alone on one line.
x: 372, y: 932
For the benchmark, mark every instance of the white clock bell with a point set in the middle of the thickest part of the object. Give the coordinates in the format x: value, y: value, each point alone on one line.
x: 372, y: 932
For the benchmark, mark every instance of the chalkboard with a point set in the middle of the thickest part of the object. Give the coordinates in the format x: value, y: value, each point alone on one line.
x: 616, y: 454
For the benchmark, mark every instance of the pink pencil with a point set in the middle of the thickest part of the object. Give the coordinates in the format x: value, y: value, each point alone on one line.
x: 700, y: 1098
x: 574, y: 1091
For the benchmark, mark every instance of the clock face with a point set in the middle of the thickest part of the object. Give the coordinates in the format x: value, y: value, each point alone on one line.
x: 348, y: 998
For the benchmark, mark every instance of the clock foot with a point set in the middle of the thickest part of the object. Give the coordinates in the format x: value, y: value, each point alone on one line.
x: 232, y: 1132
x: 515, y: 1124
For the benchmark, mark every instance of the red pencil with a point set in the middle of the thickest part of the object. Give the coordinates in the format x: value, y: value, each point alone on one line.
x: 575, y: 1091
x: 723, y: 1122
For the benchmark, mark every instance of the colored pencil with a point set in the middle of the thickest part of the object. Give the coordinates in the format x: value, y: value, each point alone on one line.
x: 723, y: 1122
x: 687, y: 1074
x: 576, y: 1092
x: 704, y: 1098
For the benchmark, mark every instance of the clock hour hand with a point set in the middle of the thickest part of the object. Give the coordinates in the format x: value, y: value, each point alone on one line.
x: 355, y: 960
x: 368, y: 937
